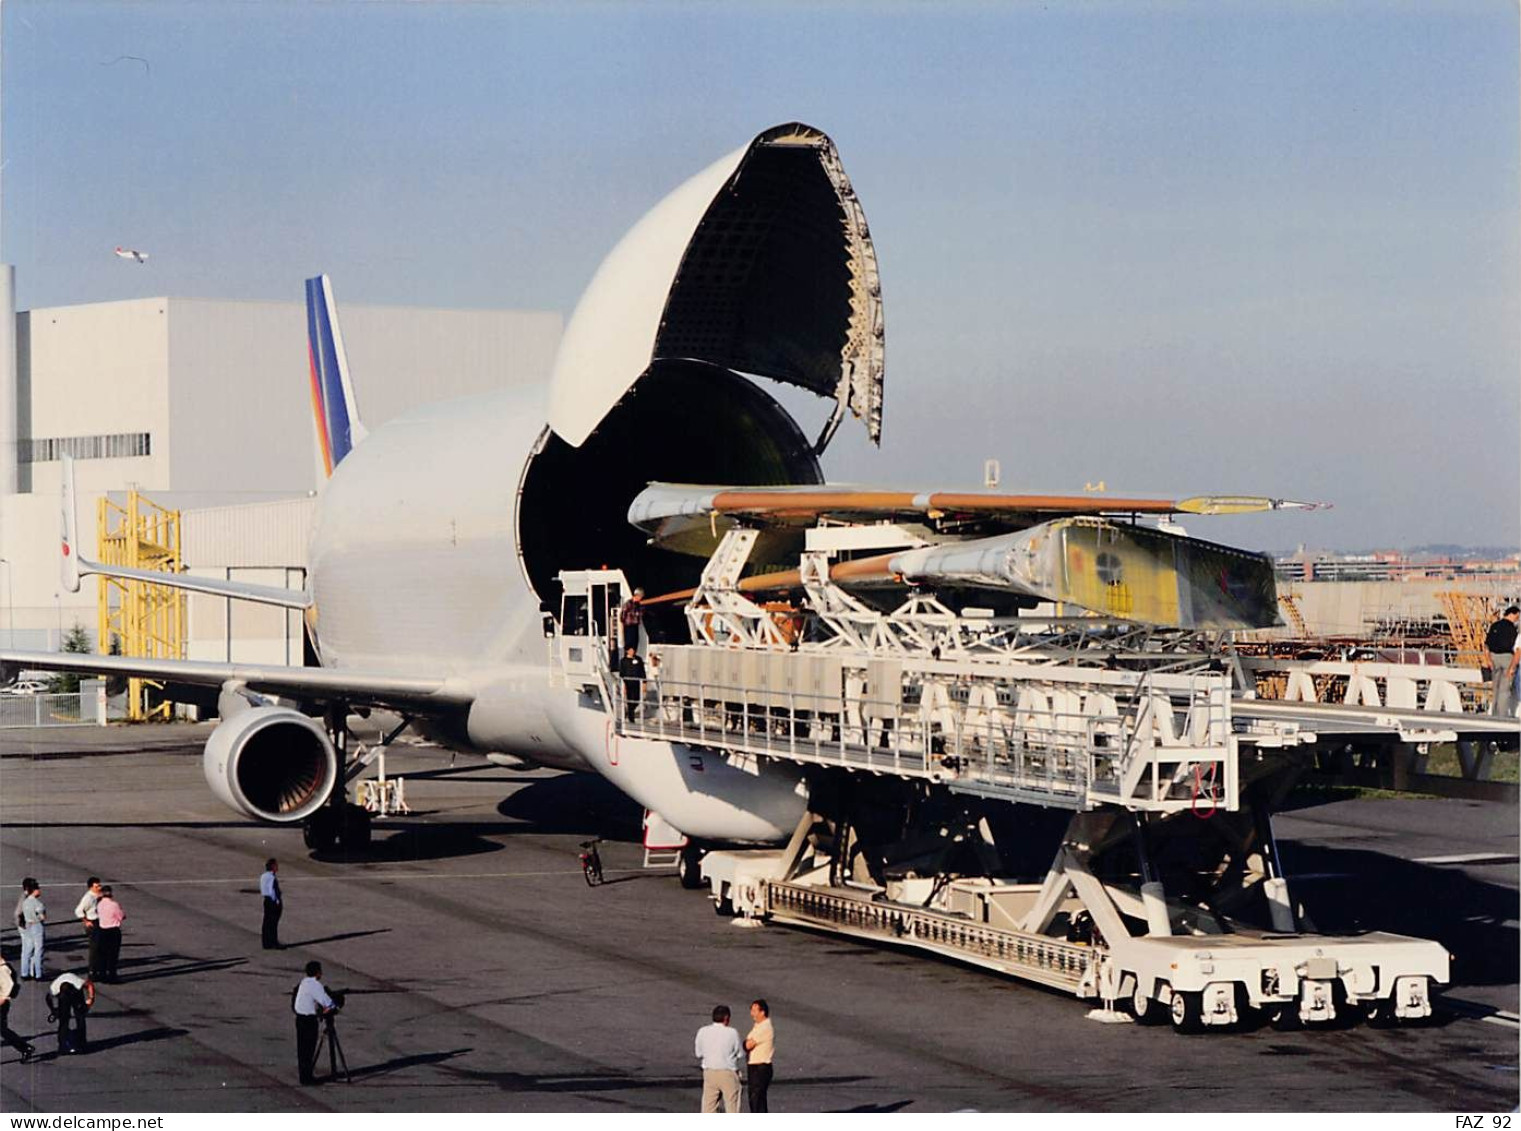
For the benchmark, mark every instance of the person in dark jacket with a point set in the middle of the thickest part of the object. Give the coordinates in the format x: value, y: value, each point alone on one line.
x: 631, y: 668
x: 1500, y: 643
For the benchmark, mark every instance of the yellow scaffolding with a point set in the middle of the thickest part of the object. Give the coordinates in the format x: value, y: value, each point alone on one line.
x: 139, y: 618
x: 1469, y: 616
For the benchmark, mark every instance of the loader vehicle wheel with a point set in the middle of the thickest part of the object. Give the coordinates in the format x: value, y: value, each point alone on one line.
x: 1146, y: 1010
x: 1187, y: 1011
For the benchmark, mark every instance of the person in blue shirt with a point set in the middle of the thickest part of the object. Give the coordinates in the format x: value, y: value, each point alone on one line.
x: 274, y: 906
x: 722, y: 1054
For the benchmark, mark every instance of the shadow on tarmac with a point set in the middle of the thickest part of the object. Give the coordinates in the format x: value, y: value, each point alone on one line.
x: 403, y: 1062
x: 335, y: 938
x: 163, y: 1033
x: 421, y: 842
x: 154, y: 970
x: 1353, y: 890
x: 576, y: 1082
x: 583, y: 804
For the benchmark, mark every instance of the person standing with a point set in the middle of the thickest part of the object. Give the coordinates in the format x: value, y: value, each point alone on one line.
x: 761, y: 1047
x: 274, y: 905
x: 631, y: 668
x: 722, y: 1056
x: 26, y: 890
x: 34, y: 917
x: 1500, y: 642
x: 311, y: 1003
x: 73, y: 996
x: 10, y: 986
x: 631, y: 618
x: 108, y: 927
x: 85, y: 912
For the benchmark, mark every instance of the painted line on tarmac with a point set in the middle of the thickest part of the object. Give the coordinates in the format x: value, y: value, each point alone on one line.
x: 1469, y: 858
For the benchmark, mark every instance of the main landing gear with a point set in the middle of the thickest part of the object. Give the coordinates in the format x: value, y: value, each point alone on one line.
x: 688, y: 867
x: 339, y: 823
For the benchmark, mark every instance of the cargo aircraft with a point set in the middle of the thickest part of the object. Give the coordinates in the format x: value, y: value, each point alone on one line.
x: 433, y: 585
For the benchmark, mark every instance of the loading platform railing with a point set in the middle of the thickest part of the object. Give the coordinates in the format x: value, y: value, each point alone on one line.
x: 1038, y: 958
x: 1065, y: 737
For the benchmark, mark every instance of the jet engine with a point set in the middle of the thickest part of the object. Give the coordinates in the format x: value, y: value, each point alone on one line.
x: 271, y: 763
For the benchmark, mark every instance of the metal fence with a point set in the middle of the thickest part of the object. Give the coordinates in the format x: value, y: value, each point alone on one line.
x: 76, y: 709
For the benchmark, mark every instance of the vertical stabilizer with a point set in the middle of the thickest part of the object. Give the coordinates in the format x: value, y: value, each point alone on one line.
x: 334, y: 409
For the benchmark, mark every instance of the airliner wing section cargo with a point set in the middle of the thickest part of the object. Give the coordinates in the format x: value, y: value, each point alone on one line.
x: 855, y: 703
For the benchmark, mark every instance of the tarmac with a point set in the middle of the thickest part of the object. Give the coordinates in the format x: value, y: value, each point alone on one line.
x: 484, y: 975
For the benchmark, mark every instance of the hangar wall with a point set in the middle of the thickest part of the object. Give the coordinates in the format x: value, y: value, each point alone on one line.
x: 202, y: 403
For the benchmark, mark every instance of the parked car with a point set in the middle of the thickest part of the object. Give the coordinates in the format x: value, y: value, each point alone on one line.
x: 25, y: 687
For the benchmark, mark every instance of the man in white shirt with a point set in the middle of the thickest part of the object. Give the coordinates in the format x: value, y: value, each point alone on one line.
x: 311, y: 1004
x: 722, y: 1056
x: 89, y: 918
x: 8, y: 985
x: 73, y: 996
x: 761, y: 1045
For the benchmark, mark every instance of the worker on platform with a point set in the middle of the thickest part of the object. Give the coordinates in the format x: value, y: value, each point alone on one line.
x: 1500, y: 642
x: 631, y: 618
x: 631, y: 669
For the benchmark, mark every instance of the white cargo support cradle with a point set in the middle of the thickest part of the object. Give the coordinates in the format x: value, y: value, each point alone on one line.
x: 922, y: 693
x: 1133, y: 730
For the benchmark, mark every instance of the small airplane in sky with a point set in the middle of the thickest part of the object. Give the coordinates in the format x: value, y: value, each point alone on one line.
x: 129, y: 253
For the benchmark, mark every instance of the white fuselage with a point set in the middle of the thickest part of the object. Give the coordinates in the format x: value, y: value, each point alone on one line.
x: 415, y: 567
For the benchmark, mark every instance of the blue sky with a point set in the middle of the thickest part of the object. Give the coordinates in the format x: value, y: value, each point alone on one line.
x: 1269, y: 249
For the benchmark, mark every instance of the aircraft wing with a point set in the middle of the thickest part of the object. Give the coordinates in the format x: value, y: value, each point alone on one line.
x: 384, y: 689
x: 690, y: 517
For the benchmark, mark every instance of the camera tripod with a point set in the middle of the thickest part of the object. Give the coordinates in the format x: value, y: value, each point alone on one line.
x: 335, y: 1057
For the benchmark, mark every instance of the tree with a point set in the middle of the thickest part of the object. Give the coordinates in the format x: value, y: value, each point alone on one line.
x: 76, y: 640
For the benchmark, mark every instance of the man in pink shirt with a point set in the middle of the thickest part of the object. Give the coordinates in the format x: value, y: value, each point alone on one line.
x: 109, y: 925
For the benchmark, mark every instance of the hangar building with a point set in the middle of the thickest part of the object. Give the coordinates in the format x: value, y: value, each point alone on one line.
x: 205, y: 406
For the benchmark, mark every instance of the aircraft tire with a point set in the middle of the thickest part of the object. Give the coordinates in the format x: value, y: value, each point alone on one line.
x: 688, y: 867
x: 321, y: 831
x: 355, y: 830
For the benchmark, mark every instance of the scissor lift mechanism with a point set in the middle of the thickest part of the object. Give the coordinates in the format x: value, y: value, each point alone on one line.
x: 1136, y: 731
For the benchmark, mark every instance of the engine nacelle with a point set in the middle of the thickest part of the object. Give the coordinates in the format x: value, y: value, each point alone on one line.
x: 272, y: 763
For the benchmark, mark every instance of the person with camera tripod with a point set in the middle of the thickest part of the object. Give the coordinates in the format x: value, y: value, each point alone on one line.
x: 312, y: 1004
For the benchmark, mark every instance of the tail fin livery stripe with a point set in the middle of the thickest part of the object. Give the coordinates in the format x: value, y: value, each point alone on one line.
x: 319, y: 402
x: 338, y: 426
x: 319, y: 415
